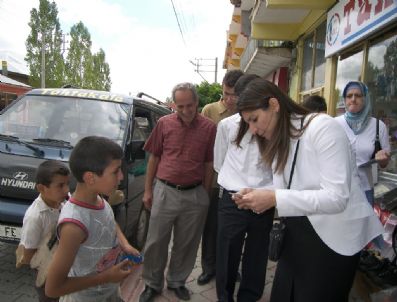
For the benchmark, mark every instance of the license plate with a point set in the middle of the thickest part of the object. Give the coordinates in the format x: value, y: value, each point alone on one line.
x: 10, y: 232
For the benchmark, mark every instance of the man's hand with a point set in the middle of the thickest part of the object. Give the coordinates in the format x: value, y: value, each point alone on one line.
x: 148, y: 199
x: 149, y: 180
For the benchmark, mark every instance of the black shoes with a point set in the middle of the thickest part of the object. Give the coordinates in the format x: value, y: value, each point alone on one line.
x: 148, y: 294
x: 181, y: 292
x: 204, y: 278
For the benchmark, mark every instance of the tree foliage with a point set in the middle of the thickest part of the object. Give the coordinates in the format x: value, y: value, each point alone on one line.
x: 79, y: 58
x: 390, y: 59
x: 208, y: 93
x: 80, y: 68
x: 102, y: 71
x: 45, y: 30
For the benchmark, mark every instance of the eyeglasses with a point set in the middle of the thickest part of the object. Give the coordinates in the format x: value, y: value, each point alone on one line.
x: 353, y: 95
x: 226, y: 95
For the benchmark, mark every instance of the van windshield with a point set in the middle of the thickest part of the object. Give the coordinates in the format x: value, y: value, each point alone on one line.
x: 66, y: 119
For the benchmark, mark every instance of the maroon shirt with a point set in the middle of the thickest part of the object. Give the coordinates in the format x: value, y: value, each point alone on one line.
x: 183, y: 149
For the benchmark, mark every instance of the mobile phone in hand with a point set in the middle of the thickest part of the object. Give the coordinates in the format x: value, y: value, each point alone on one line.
x: 236, y: 195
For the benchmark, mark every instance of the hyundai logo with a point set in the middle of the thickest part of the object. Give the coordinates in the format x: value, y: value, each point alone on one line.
x: 20, y: 175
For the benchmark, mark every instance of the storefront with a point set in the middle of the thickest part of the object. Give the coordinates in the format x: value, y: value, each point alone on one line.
x: 355, y: 40
x: 361, y: 44
x: 335, y: 42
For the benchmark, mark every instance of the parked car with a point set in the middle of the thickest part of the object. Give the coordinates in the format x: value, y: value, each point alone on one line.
x: 47, y: 123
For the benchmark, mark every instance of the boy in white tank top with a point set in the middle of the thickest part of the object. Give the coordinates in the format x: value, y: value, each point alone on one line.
x: 85, y: 265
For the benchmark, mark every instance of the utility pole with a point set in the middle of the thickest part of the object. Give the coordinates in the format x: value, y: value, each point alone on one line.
x: 43, y: 48
x: 42, y: 59
x: 208, y: 67
x: 197, y: 69
x: 64, y: 42
x: 216, y: 70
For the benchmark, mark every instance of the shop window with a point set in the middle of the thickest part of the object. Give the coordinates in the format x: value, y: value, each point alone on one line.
x: 305, y: 94
x: 349, y: 69
x: 319, y: 71
x: 307, y: 63
x: 313, y: 68
x: 381, y: 79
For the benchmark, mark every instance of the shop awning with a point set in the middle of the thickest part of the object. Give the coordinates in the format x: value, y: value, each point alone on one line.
x: 286, y: 19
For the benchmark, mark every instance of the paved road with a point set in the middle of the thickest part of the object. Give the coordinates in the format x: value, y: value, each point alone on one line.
x: 15, y: 284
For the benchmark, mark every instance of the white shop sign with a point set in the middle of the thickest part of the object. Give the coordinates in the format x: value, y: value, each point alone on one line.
x: 350, y: 21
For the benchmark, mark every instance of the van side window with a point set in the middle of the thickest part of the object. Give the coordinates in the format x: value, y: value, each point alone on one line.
x: 141, y: 128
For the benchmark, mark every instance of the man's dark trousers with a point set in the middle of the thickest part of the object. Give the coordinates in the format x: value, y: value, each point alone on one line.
x: 237, y: 228
x: 208, y: 241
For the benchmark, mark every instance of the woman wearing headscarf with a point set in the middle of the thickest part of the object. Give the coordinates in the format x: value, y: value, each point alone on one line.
x: 360, y: 128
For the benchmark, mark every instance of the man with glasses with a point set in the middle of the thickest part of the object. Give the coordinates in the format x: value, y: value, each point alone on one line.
x: 226, y: 106
x: 217, y: 111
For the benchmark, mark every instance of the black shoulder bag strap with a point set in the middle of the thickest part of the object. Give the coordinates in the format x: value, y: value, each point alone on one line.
x: 293, y: 163
x: 377, y: 145
x: 294, y: 160
x: 277, y: 233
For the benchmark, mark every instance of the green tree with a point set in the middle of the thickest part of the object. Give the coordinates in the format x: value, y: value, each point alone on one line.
x: 208, y: 93
x: 101, y: 71
x: 79, y: 66
x: 390, y: 59
x: 45, y: 32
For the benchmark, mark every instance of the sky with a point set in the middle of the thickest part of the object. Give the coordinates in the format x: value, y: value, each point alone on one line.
x: 141, y: 38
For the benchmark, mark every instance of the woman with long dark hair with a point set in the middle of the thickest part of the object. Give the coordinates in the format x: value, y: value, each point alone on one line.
x: 327, y: 219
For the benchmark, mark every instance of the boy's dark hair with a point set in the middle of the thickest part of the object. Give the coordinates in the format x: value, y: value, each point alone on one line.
x: 93, y: 154
x: 231, y: 77
x: 315, y: 103
x: 48, y: 169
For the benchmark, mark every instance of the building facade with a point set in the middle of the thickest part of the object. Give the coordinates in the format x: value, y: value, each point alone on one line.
x: 321, y: 45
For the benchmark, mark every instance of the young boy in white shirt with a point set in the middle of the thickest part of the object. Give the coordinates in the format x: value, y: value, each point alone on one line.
x: 40, y: 220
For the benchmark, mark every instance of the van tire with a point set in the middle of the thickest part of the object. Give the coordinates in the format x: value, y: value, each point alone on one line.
x: 142, y: 228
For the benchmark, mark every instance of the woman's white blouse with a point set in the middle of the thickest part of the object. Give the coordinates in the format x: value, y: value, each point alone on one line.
x: 363, y: 145
x: 326, y: 188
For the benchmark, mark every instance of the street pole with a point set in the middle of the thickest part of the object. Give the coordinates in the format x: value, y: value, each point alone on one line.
x: 216, y: 69
x: 42, y: 60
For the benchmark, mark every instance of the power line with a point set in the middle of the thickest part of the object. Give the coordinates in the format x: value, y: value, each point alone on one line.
x: 184, y: 26
x: 179, y: 25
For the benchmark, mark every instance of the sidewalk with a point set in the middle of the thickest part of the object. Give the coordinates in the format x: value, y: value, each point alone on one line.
x: 133, y: 286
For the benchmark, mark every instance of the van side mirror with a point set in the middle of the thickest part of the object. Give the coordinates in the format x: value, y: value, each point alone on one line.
x: 135, y: 150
